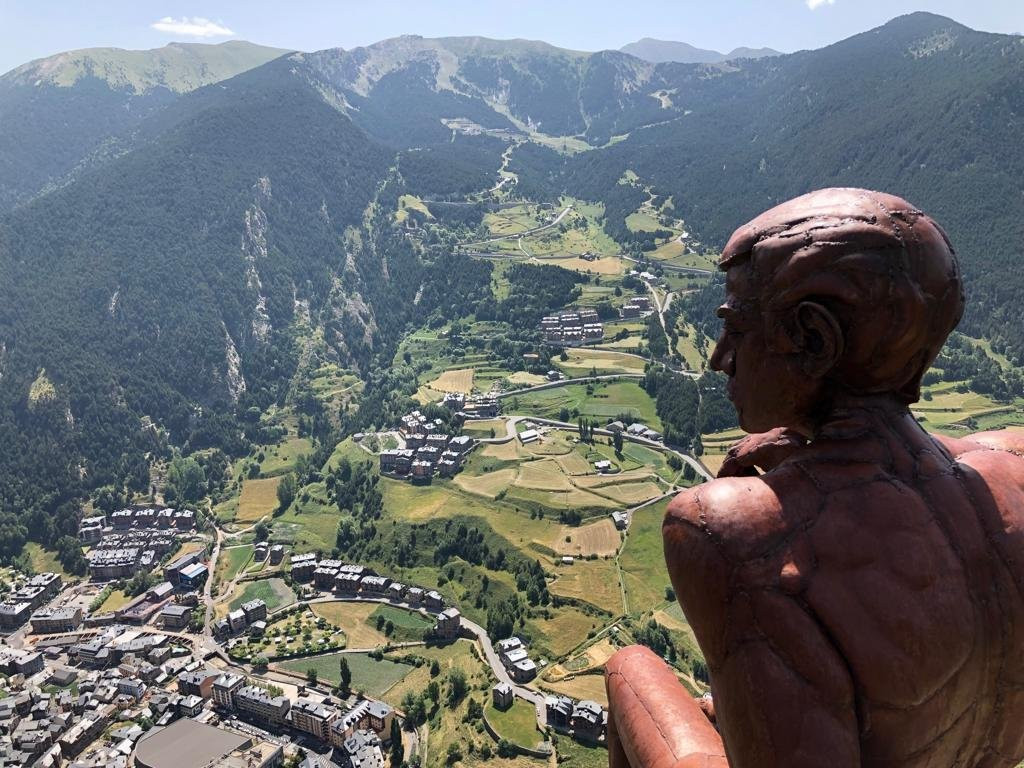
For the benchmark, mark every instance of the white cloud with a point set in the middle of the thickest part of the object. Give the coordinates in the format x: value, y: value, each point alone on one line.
x: 193, y: 26
x: 812, y: 4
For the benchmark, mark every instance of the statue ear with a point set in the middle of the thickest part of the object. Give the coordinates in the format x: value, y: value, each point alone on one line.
x: 819, y: 339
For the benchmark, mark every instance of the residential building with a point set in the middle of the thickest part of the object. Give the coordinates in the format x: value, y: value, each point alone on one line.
x: 362, y: 750
x: 51, y: 621
x: 224, y: 689
x: 190, y: 706
x: 559, y: 711
x: 302, y: 566
x: 621, y: 519
x: 438, y: 441
x: 198, y: 682
x: 13, y: 615
x: 397, y: 461
x: 130, y: 686
x: 325, y: 575
x: 422, y: 470
x: 258, y: 704
x: 449, y: 624
x: 523, y: 671
x: 367, y: 714
x: 502, y: 695
x: 347, y: 583
x: 175, y: 616
x: 376, y: 586
x: 588, y: 721
x: 254, y: 610
x: 312, y: 717
x: 276, y: 554
x: 237, y: 620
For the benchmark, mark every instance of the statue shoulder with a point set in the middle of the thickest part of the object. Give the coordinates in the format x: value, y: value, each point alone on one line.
x: 742, y: 517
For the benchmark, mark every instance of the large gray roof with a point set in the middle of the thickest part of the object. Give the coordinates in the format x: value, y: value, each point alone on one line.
x: 186, y: 743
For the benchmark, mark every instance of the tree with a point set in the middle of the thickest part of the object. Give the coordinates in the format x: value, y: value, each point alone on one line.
x: 311, y: 675
x: 397, y: 748
x: 286, y: 490
x: 617, y: 442
x: 344, y: 675
x: 262, y: 531
x: 260, y: 663
x: 458, y: 687
x: 453, y: 755
x: 186, y: 480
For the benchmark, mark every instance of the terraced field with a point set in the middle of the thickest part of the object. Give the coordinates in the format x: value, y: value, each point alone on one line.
x: 459, y: 380
x: 592, y: 581
x: 582, y: 360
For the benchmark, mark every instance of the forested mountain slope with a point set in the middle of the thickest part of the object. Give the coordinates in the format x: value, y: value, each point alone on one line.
x: 56, y: 112
x: 922, y: 107
x: 160, y: 287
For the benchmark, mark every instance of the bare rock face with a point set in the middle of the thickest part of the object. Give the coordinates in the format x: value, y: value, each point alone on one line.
x: 234, y: 379
x: 858, y: 601
x: 254, y: 251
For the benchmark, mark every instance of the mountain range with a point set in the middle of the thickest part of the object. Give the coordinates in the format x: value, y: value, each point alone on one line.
x: 658, y: 51
x: 168, y: 218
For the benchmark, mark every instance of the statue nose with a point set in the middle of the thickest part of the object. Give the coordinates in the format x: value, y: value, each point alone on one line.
x: 723, y: 359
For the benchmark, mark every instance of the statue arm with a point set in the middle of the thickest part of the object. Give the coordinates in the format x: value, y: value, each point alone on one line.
x: 783, y: 694
x: 996, y: 440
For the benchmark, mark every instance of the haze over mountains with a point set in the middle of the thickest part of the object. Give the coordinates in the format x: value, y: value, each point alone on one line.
x: 167, y: 217
x: 657, y: 51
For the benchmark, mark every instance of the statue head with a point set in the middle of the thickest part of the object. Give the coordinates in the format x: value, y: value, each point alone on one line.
x: 836, y: 291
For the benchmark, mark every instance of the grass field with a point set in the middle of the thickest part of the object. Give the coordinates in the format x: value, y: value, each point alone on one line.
x: 642, y: 222
x: 490, y: 484
x: 565, y: 630
x: 409, y: 626
x: 369, y: 676
x: 352, y: 619
x: 643, y: 561
x: 231, y: 561
x: 258, y: 499
x: 517, y: 724
x: 572, y: 754
x: 483, y: 428
x: 115, y: 601
x: 280, y: 459
x: 43, y: 559
x: 597, y: 538
x: 408, y: 203
x: 589, y: 686
x: 274, y: 592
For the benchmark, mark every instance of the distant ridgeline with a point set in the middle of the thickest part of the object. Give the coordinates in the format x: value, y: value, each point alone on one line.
x: 173, y: 224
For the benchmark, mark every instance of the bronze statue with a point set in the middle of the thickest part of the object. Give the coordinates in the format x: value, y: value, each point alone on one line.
x: 860, y: 602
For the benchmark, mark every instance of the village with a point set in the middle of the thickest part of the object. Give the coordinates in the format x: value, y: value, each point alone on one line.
x: 152, y: 684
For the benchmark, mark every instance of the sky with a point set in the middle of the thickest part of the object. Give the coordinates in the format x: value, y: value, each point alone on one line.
x: 31, y: 29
